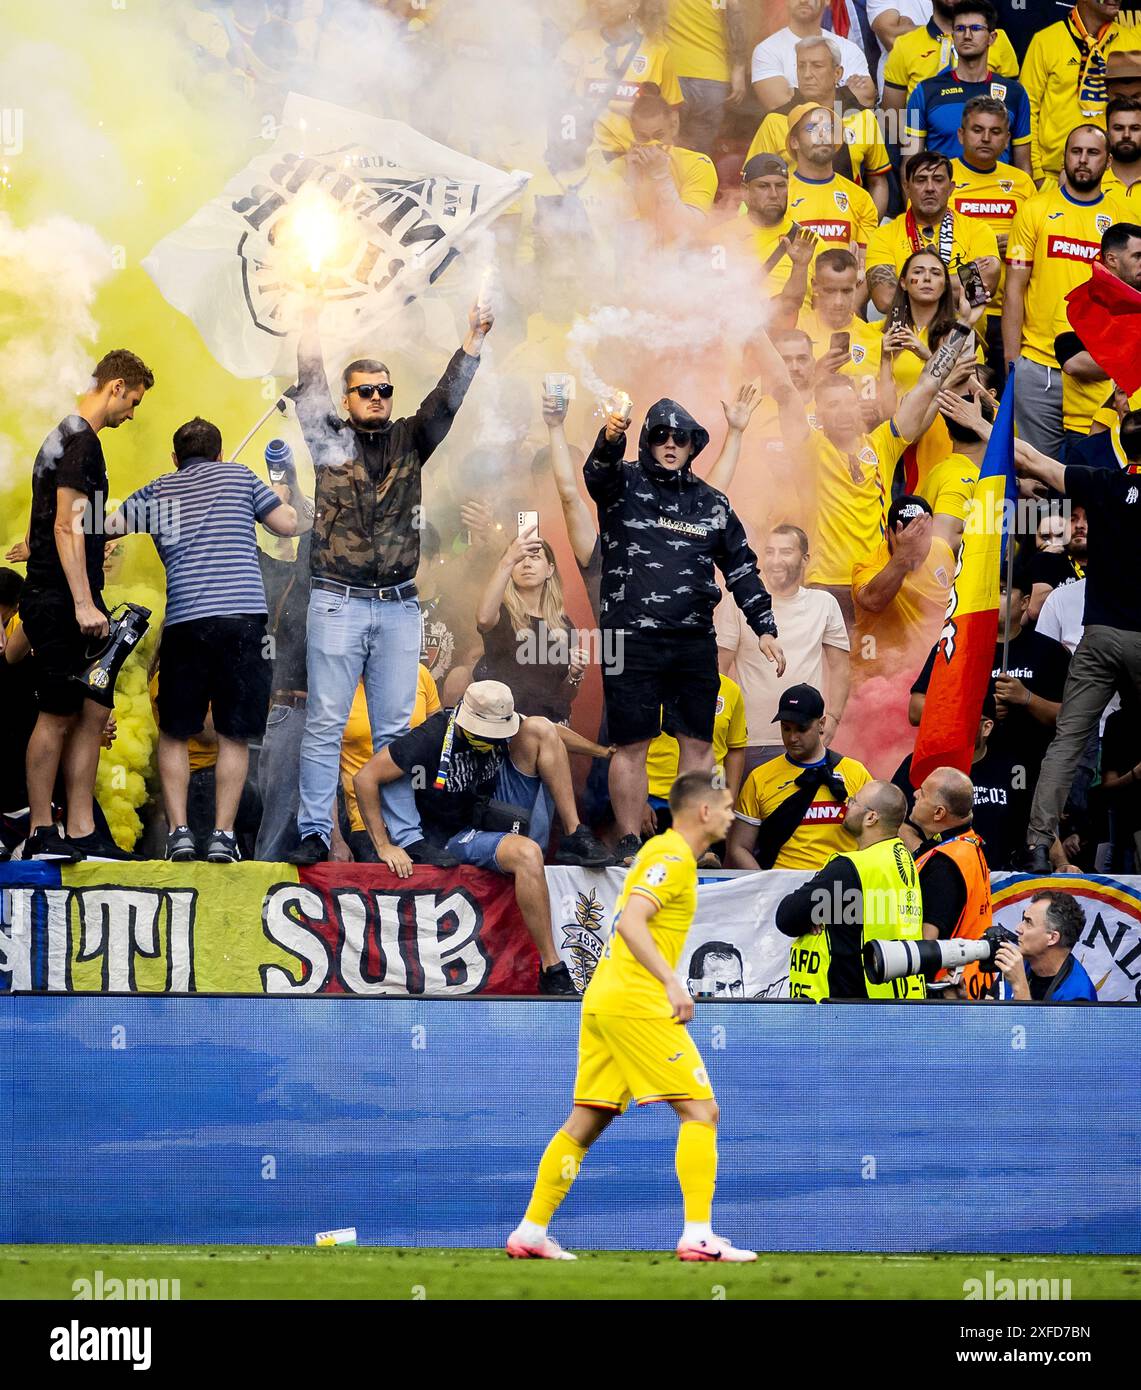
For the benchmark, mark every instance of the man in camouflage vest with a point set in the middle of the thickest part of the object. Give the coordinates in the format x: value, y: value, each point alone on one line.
x: 364, y: 616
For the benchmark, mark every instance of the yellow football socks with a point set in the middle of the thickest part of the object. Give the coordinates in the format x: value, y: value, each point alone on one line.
x: 558, y: 1168
x: 697, y: 1169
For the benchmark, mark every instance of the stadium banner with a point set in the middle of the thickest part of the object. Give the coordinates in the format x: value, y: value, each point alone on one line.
x: 372, y: 207
x: 161, y: 928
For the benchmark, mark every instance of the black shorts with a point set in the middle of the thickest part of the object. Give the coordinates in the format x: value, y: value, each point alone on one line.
x: 216, y: 663
x: 669, y: 681
x: 59, y: 650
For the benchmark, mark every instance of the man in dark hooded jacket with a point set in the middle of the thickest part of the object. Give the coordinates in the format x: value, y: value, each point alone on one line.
x: 662, y: 531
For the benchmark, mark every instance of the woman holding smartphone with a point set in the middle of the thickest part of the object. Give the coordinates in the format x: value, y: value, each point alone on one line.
x: 528, y: 640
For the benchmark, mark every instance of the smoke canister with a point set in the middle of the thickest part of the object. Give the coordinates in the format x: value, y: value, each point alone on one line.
x: 346, y: 1236
x: 621, y: 404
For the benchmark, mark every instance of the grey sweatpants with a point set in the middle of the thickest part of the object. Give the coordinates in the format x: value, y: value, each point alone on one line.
x: 1104, y: 658
x: 1038, y: 407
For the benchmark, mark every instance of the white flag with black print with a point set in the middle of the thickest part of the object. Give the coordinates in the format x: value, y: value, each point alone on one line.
x: 366, y: 212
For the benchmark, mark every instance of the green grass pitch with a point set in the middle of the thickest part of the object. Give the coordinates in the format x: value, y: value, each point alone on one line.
x: 293, y: 1272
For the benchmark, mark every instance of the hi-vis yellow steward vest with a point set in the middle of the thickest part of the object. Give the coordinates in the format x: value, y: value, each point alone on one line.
x: 892, y: 908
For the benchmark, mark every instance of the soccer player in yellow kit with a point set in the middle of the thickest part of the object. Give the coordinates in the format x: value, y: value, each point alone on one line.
x: 631, y: 1045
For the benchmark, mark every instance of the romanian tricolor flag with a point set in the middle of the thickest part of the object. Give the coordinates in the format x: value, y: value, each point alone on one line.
x: 964, y: 658
x: 1105, y: 313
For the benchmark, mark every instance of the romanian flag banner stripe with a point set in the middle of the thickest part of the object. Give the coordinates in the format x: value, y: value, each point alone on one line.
x: 964, y: 656
x: 1105, y: 313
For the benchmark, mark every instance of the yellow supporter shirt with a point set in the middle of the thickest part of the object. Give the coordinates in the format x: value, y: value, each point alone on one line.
x: 607, y: 76
x: 993, y: 199
x: 836, y: 209
x: 664, y: 872
x: 851, y: 501
x: 971, y: 240
x: 729, y: 731
x: 755, y: 243
x: 912, y: 620
x: 1057, y: 239
x: 820, y: 834
x: 694, y: 176
x: 697, y: 40
x: 862, y: 135
x: 923, y: 52
x: 1064, y: 88
x: 356, y: 743
x: 1112, y: 184
x: 866, y: 348
x: 950, y: 486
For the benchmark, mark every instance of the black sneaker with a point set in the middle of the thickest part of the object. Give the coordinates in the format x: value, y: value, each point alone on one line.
x: 223, y: 848
x: 626, y: 848
x: 1036, y: 860
x: 49, y: 842
x: 96, y: 846
x: 556, y: 979
x: 585, y: 849
x: 311, y: 850
x: 425, y: 852
x: 180, y: 846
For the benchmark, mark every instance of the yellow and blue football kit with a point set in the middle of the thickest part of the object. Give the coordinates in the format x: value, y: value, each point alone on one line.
x: 630, y: 1045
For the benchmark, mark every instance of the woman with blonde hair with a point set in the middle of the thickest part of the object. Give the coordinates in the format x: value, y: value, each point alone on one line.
x: 528, y: 640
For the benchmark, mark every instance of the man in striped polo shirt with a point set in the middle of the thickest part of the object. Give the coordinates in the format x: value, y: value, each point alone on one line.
x: 213, y: 655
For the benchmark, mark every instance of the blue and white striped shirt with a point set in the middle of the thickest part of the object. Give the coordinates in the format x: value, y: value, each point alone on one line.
x: 202, y: 519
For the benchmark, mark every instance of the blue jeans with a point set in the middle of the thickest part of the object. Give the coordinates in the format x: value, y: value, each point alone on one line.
x: 348, y: 638
x: 479, y: 847
x: 278, y: 774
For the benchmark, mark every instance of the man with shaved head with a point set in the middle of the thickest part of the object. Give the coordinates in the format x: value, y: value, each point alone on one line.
x: 870, y: 893
x: 953, y: 871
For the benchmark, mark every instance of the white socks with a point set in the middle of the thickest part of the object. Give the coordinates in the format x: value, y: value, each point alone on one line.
x: 697, y: 1230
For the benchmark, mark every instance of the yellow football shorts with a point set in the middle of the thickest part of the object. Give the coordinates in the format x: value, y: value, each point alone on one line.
x: 640, y: 1059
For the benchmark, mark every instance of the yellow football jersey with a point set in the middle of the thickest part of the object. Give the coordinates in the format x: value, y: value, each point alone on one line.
x: 852, y: 498
x: 665, y: 872
x: 837, y: 210
x: 1065, y: 88
x: 1057, y: 239
x: 950, y: 486
x: 607, y: 76
x: 971, y: 240
x: 866, y: 348
x: 862, y: 135
x: 729, y: 731
x: 820, y: 834
x: 1112, y: 184
x: 698, y: 40
x: 923, y: 52
x: 993, y: 199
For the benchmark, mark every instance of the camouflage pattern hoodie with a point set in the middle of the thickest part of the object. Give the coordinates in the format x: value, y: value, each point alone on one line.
x: 368, y: 481
x: 663, y: 530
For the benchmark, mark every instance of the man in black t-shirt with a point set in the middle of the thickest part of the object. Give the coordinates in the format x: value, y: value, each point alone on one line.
x: 1109, y: 653
x: 1027, y: 694
x: 62, y: 606
x: 451, y: 767
x: 1001, y: 798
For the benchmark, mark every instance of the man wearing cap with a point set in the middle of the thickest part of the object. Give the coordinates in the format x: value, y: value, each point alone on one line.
x: 900, y: 590
x: 663, y: 532
x: 1123, y: 73
x: 861, y: 156
x: 929, y: 224
x: 836, y: 209
x: 765, y: 233
x: 481, y: 777
x: 790, y: 812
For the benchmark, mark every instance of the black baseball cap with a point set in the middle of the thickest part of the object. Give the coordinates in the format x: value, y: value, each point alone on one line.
x: 800, y: 704
x: 906, y: 508
x: 762, y: 165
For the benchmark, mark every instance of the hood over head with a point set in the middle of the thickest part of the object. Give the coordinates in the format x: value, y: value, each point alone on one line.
x: 667, y: 412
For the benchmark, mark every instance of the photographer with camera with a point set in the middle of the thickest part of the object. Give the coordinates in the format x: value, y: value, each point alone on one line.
x: 1042, y: 965
x: 870, y: 893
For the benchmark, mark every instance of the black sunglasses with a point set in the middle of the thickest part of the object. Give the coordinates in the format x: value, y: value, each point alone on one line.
x: 660, y: 433
x: 369, y: 389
